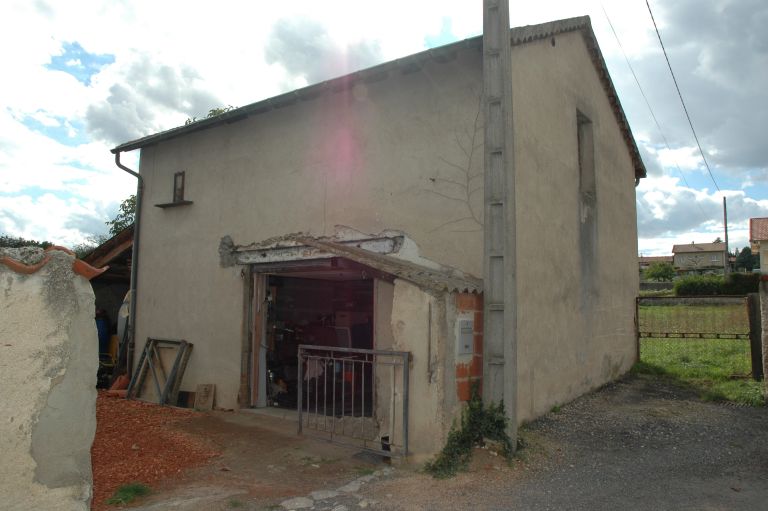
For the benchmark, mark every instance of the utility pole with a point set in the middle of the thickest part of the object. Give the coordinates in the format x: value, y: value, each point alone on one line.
x: 499, y: 261
x: 727, y: 266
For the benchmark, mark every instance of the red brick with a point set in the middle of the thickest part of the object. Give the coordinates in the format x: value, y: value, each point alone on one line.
x: 476, y: 367
x: 478, y: 322
x: 463, y: 370
x: 463, y: 390
x: 467, y: 302
x: 477, y: 344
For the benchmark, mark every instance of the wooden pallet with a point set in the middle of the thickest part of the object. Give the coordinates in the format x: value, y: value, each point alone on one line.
x: 166, y: 384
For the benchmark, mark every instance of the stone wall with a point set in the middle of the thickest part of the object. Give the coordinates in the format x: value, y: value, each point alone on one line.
x: 48, y: 363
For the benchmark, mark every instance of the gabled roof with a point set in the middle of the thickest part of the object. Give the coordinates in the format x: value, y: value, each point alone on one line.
x: 698, y: 247
x: 758, y: 229
x: 518, y: 36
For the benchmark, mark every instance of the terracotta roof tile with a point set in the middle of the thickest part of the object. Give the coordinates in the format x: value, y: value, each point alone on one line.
x: 32, y: 262
x: 758, y: 229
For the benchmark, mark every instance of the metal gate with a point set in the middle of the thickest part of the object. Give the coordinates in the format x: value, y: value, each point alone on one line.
x: 693, y: 327
x: 355, y: 397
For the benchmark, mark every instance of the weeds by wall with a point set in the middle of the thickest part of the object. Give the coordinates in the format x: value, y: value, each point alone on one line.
x: 479, y: 423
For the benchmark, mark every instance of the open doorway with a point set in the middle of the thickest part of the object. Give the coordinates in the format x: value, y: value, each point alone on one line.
x: 320, y: 308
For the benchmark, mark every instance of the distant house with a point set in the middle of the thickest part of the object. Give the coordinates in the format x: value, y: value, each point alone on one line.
x: 645, y: 262
x: 699, y: 258
x: 758, y: 239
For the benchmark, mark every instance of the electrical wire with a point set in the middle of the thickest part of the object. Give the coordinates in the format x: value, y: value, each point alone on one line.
x: 685, y: 109
x: 647, y: 103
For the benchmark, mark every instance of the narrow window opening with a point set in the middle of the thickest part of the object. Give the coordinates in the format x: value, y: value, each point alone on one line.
x: 588, y: 242
x: 587, y: 182
x: 178, y: 187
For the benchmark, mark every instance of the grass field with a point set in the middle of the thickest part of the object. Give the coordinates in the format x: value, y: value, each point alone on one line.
x: 719, y: 369
x: 730, y: 319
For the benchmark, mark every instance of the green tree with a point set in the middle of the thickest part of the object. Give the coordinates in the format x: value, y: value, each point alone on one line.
x: 213, y: 112
x: 86, y: 247
x: 7, y: 241
x: 747, y: 260
x: 718, y: 240
x: 124, y: 217
x: 660, y: 272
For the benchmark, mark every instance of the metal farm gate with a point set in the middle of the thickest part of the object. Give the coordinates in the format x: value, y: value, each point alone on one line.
x: 355, y: 397
x: 691, y: 329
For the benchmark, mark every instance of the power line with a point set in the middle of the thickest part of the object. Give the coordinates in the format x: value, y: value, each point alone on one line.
x: 642, y: 92
x: 647, y: 103
x: 658, y: 34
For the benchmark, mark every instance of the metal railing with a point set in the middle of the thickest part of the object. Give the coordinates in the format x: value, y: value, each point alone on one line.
x: 715, y: 317
x: 355, y: 397
x: 693, y: 334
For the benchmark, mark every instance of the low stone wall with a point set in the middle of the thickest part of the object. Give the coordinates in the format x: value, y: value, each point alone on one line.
x: 48, y: 364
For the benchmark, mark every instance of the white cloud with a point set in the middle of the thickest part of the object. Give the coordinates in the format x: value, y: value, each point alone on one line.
x: 669, y: 214
x: 687, y: 158
x: 175, y: 59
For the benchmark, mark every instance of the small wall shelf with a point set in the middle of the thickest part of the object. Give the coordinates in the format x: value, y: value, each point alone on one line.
x: 174, y: 204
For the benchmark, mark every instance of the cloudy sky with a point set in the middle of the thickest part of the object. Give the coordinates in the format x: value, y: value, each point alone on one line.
x: 82, y: 77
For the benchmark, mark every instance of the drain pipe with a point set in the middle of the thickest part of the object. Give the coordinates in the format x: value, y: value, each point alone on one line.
x: 134, y: 263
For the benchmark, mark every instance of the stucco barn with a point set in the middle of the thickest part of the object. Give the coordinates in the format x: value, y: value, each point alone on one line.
x: 323, y: 250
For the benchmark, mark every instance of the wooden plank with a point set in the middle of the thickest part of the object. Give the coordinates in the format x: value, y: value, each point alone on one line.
x: 114, y: 252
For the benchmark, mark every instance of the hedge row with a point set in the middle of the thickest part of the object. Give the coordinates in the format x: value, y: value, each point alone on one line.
x: 708, y: 285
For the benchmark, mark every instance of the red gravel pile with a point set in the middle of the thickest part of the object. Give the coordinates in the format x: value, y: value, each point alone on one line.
x: 140, y: 442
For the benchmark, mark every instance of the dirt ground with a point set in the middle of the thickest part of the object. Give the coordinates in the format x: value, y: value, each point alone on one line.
x: 212, y: 461
x: 637, y: 444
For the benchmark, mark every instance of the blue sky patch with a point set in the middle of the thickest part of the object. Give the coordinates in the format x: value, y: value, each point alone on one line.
x: 444, y: 37
x: 79, y: 63
x: 66, y: 132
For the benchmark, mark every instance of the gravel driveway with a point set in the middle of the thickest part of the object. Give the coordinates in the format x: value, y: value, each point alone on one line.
x: 637, y: 444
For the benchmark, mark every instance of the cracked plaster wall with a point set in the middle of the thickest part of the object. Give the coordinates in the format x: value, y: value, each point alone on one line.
x: 48, y: 363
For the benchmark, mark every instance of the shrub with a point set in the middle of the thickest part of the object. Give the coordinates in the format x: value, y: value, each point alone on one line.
x: 703, y: 285
x: 741, y: 283
x: 697, y: 285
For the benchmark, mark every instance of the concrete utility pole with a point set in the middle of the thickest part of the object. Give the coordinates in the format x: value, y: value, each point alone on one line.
x: 727, y: 266
x: 499, y: 265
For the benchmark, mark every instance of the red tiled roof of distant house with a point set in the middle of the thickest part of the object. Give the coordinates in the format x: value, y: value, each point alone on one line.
x: 758, y: 229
